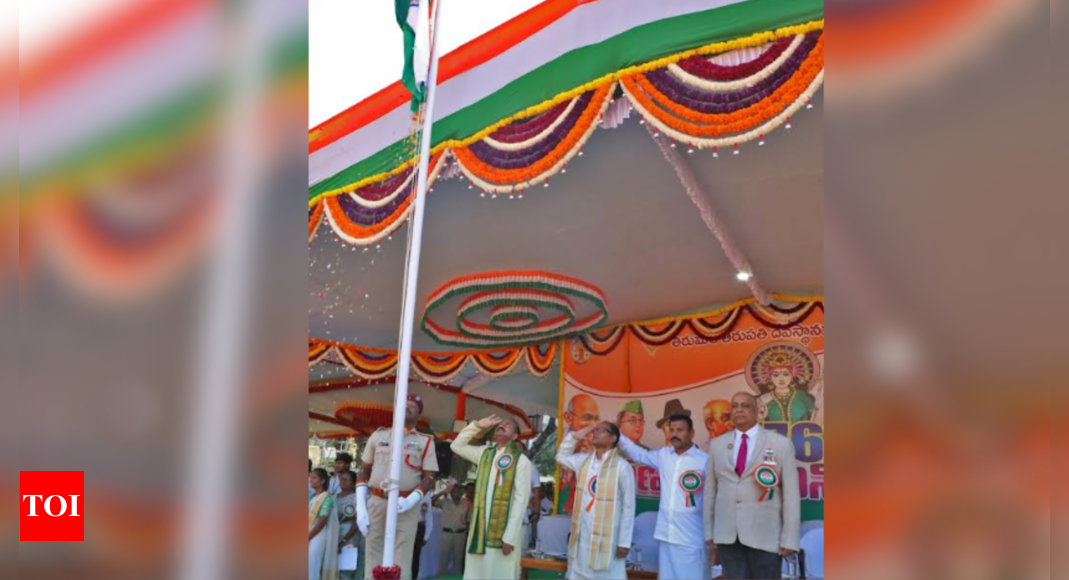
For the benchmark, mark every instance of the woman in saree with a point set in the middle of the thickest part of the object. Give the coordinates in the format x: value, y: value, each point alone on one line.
x: 350, y: 535
x: 322, y: 530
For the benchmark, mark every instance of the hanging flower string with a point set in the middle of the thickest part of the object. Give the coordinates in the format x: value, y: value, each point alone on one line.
x: 712, y: 325
x: 375, y: 364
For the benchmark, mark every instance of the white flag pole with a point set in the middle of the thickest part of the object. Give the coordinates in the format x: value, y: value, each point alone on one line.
x: 409, y: 307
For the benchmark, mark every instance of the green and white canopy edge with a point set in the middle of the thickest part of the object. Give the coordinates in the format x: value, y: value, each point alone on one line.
x: 595, y: 38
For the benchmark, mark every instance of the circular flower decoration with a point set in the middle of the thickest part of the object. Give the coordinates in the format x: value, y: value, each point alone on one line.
x: 519, y: 308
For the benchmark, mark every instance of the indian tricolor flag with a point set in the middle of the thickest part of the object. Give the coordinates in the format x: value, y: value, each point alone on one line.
x: 414, y: 17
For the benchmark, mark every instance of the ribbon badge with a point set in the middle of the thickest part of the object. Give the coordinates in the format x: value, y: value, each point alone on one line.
x: 766, y: 475
x: 691, y: 483
x: 349, y: 510
x: 592, y: 491
x: 503, y: 464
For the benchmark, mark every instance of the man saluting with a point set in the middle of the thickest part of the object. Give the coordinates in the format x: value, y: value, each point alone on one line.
x: 604, y: 517
x: 502, y: 490
x: 679, y: 530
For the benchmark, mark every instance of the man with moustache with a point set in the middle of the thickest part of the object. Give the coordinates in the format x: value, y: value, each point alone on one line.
x: 681, y: 467
x: 419, y: 464
x: 752, y: 508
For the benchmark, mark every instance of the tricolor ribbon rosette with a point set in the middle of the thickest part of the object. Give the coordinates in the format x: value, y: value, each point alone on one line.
x: 691, y: 483
x: 503, y: 464
x: 591, y: 491
x: 768, y: 478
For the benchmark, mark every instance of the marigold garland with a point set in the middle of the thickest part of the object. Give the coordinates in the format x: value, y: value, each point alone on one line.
x: 357, y: 233
x: 709, y: 325
x: 701, y: 70
x: 315, y: 215
x: 317, y: 351
x: 376, y: 364
x: 755, y: 39
x: 654, y: 105
x: 499, y: 180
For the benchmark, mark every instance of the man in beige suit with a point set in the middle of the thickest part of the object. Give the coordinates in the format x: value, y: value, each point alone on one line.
x: 752, y: 504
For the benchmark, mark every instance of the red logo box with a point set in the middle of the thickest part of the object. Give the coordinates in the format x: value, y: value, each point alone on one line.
x: 53, y: 506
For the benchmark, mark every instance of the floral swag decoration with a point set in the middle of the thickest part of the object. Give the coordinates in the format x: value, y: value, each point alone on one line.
x: 713, y: 97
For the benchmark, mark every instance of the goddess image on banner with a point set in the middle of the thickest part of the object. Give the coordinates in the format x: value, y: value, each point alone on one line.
x: 640, y: 375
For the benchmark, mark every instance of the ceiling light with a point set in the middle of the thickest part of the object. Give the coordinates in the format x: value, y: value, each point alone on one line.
x: 743, y: 276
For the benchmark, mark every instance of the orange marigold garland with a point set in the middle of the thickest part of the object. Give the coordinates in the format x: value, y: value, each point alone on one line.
x: 375, y: 364
x: 495, y: 179
x: 315, y: 216
x: 680, y: 117
x: 366, y: 364
x: 362, y: 219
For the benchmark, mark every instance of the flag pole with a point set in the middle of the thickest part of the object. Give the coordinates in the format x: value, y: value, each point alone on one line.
x: 409, y: 306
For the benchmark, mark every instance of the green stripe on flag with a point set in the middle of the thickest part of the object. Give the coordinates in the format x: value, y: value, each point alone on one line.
x: 408, y: 75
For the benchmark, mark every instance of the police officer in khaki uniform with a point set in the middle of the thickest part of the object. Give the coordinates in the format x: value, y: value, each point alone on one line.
x: 417, y: 475
x: 454, y: 528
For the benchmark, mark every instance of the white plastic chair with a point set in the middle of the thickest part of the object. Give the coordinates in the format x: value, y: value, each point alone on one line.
x: 642, y: 538
x: 812, y: 543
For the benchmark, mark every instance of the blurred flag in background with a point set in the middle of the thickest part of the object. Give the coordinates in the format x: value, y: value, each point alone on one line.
x: 941, y: 220
x: 161, y: 169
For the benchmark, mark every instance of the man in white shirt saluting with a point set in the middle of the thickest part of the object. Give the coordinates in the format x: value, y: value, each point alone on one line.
x: 681, y: 467
x: 603, y: 520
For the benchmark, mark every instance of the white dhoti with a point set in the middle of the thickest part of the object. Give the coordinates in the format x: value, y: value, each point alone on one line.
x: 579, y: 565
x: 680, y: 562
x: 579, y: 568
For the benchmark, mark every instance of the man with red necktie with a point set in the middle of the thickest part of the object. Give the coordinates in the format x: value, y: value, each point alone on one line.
x: 752, y: 502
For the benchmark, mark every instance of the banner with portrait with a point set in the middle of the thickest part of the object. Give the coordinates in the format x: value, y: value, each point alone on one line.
x: 638, y: 375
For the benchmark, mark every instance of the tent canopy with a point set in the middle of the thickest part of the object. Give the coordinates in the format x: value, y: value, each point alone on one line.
x: 618, y: 219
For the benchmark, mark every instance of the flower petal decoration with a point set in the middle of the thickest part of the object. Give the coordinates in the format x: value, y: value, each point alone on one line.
x: 369, y: 214
x: 689, y: 103
x: 516, y: 302
x: 374, y: 364
x: 530, y: 150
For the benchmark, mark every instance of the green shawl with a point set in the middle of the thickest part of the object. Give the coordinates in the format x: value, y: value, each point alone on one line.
x: 483, y: 535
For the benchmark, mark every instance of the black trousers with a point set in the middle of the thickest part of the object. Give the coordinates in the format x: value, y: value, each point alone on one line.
x: 417, y: 548
x: 743, y: 562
